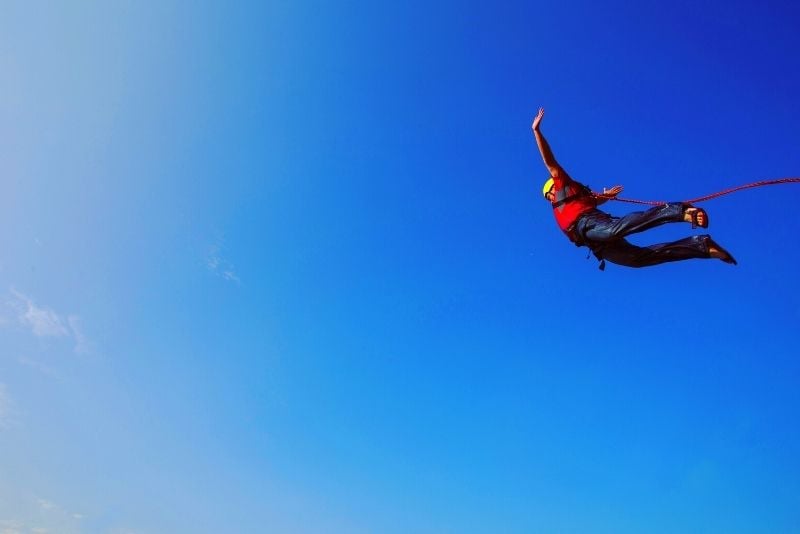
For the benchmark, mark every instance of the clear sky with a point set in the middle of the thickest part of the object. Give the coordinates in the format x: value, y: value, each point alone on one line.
x: 285, y: 267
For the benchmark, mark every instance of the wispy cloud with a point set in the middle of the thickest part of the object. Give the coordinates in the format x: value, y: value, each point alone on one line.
x: 60, y: 518
x: 44, y: 322
x: 40, y: 516
x: 37, y: 365
x: 10, y: 526
x: 44, y: 504
x: 82, y: 344
x: 219, y: 265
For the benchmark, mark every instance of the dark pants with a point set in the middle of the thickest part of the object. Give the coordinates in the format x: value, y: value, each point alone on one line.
x: 604, y: 235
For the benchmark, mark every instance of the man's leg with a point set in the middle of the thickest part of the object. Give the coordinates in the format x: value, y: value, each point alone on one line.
x: 599, y: 226
x: 622, y: 252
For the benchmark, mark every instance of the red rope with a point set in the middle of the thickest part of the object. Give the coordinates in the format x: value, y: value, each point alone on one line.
x: 708, y: 197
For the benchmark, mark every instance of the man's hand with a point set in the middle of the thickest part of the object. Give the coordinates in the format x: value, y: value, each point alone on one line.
x: 608, y: 194
x: 537, y: 120
x: 614, y: 191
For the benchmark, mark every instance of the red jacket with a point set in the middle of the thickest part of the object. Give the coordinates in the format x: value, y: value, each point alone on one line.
x: 578, y: 200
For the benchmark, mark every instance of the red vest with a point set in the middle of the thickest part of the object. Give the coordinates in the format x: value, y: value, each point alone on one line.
x: 578, y: 200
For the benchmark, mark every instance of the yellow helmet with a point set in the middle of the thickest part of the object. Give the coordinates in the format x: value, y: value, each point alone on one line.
x: 547, y: 185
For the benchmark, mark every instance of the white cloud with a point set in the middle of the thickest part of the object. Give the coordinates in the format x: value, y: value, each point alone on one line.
x: 82, y: 345
x: 43, y: 322
x: 212, y: 262
x: 37, y: 365
x: 31, y: 514
x: 219, y: 265
x: 9, y: 526
x: 45, y: 504
x: 54, y: 517
x: 230, y: 275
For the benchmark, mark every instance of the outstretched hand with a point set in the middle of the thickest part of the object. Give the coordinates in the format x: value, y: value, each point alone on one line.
x: 537, y: 120
x: 614, y: 191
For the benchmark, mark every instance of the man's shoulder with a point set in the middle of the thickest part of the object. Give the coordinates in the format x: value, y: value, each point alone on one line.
x: 560, y: 174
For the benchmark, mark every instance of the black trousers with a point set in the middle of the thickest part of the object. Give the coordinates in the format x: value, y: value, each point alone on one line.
x: 604, y: 235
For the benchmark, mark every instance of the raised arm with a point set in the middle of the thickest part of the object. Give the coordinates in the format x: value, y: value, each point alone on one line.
x: 544, y: 148
x: 556, y: 169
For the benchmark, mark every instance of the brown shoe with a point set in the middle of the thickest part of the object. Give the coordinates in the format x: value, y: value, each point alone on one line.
x: 695, y: 214
x: 720, y: 253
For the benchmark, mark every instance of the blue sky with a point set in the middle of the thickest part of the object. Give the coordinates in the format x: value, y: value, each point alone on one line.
x: 285, y: 267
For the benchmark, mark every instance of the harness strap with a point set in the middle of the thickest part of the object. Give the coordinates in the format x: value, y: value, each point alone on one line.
x: 600, y: 258
x: 579, y: 194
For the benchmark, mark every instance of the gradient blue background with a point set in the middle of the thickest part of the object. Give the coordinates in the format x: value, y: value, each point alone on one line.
x: 285, y: 267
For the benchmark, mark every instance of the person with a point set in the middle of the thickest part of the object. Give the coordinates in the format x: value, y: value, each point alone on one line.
x: 575, y: 209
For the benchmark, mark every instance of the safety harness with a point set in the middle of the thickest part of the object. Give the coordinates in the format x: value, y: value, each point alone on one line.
x: 583, y: 191
x: 572, y: 231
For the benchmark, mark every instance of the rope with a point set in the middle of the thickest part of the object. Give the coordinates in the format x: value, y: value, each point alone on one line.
x: 707, y: 197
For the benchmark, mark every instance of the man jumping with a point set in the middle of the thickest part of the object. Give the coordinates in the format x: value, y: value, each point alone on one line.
x: 575, y: 209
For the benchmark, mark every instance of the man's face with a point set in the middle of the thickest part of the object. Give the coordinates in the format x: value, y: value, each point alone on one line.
x: 551, y: 194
